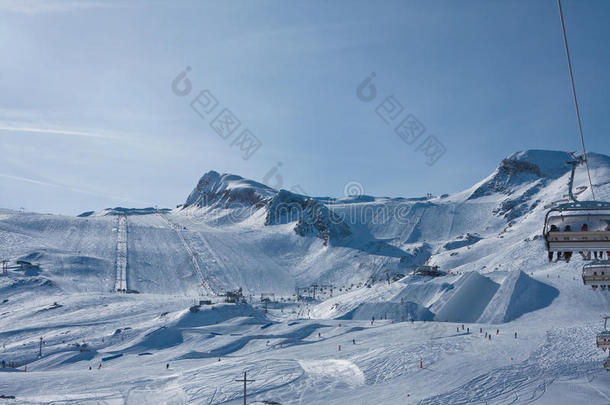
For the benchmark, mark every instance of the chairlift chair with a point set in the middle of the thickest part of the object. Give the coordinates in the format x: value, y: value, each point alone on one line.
x: 603, y: 338
x: 595, y: 214
x: 597, y: 274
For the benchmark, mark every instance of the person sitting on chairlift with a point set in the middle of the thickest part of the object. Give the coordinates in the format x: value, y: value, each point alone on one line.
x: 601, y: 254
x: 566, y: 255
x: 586, y: 255
x: 554, y: 229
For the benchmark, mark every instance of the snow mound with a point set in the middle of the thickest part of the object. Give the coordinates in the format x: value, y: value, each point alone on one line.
x: 467, y: 300
x: 518, y: 294
x: 162, y: 338
x: 461, y: 241
x: 344, y: 370
x: 30, y: 284
x: 171, y: 334
x: 210, y: 315
x: 393, y: 310
x: 471, y: 297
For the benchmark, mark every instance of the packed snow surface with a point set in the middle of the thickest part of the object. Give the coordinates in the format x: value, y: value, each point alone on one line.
x: 130, y: 303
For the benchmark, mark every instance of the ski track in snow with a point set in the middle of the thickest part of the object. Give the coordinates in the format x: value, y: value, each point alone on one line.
x: 203, y: 276
x: 560, y: 358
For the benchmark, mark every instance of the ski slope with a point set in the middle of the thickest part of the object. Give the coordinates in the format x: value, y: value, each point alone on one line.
x: 121, y: 255
x: 327, y: 351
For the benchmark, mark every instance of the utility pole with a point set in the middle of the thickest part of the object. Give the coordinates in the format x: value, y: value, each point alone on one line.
x: 40, y: 348
x: 314, y: 286
x: 245, y: 381
x: 4, y: 266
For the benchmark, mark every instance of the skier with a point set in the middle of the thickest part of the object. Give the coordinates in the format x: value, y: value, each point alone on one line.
x: 515, y: 335
x: 354, y: 341
x: 167, y: 366
x: 372, y: 320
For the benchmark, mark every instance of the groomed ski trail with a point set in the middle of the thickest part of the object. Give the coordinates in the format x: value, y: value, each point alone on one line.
x: 121, y: 255
x: 207, y: 290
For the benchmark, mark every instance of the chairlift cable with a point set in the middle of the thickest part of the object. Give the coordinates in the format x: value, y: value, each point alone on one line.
x: 582, y: 138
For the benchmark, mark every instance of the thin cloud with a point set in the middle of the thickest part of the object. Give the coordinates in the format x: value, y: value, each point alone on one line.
x: 87, y: 134
x: 70, y: 188
x: 46, y: 6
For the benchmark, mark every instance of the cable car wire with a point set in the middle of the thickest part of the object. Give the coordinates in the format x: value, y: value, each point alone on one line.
x: 582, y: 138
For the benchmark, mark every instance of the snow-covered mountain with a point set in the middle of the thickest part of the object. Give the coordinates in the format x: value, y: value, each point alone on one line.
x: 241, y: 233
x: 233, y: 233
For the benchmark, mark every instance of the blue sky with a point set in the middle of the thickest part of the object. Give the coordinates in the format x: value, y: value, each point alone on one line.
x: 88, y: 118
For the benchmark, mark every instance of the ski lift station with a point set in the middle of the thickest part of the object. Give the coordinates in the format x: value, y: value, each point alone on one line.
x: 432, y: 271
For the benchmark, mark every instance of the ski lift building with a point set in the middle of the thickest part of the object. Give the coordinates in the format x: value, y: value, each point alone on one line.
x: 432, y: 271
